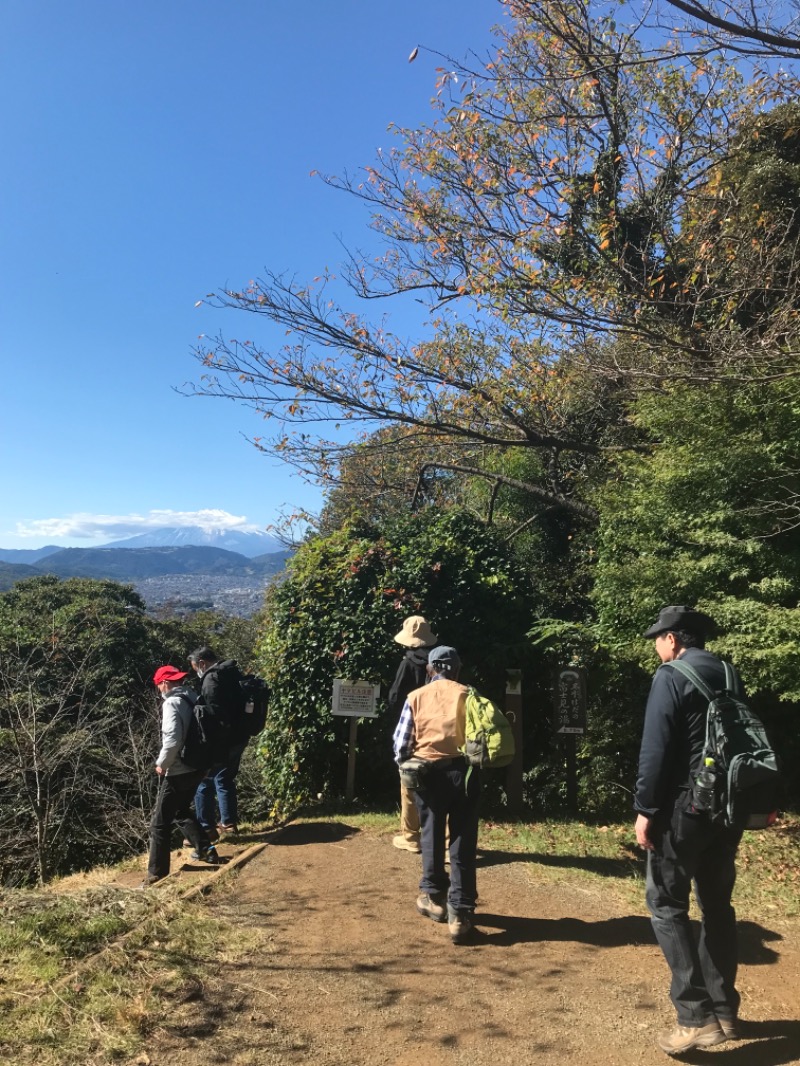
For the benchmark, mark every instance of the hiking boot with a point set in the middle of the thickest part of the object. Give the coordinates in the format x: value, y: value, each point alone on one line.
x: 406, y: 845
x: 730, y: 1027
x: 225, y: 827
x: 210, y: 855
x: 432, y: 907
x: 460, y: 925
x: 684, y: 1038
x: 150, y: 879
x: 211, y: 833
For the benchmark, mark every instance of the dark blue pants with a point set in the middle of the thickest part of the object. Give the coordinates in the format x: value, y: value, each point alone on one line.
x: 445, y: 798
x: 691, y: 849
x: 220, y: 784
x: 174, y: 804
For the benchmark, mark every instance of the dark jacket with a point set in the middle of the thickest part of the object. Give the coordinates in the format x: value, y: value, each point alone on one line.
x: 674, y: 734
x: 411, y: 674
x: 220, y: 690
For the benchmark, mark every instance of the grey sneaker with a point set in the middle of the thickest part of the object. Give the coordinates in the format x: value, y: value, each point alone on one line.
x: 432, y: 907
x: 460, y: 924
x: 684, y: 1038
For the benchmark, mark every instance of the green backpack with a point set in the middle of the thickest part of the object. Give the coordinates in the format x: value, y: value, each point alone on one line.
x: 489, y: 741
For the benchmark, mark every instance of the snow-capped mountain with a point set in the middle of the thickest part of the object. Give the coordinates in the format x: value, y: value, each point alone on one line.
x: 248, y: 544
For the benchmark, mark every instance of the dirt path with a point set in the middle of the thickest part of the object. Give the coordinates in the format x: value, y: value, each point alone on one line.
x: 347, y: 974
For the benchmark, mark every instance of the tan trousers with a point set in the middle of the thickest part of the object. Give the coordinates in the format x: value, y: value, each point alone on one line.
x: 409, y: 816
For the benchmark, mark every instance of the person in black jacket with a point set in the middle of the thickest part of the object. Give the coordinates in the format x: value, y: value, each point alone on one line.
x: 683, y: 844
x: 221, y: 690
x: 417, y: 636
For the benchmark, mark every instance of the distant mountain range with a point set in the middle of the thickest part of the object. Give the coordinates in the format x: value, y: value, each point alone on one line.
x: 134, y: 561
x: 133, y: 564
x: 248, y: 544
x: 27, y: 555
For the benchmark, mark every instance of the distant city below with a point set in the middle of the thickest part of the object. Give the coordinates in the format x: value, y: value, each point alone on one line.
x: 185, y: 568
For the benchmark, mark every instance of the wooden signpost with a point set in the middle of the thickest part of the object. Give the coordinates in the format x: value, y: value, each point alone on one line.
x: 570, y: 722
x: 514, y: 714
x: 354, y: 700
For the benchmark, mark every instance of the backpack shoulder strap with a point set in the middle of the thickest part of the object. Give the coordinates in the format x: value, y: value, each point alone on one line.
x: 733, y: 682
x: 693, y: 677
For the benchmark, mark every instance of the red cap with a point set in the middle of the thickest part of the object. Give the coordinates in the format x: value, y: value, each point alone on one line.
x: 168, y: 673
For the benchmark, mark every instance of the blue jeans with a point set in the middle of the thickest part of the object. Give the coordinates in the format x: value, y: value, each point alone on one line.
x: 220, y: 784
x: 445, y: 799
x: 691, y: 849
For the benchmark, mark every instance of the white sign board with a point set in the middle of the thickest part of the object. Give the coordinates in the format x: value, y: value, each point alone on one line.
x: 355, y: 699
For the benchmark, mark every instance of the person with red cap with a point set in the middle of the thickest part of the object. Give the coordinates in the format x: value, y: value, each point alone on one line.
x: 178, y: 782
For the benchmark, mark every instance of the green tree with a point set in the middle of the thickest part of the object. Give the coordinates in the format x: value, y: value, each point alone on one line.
x: 710, y: 517
x: 76, y: 724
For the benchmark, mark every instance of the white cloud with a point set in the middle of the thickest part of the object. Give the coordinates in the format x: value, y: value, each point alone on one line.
x: 100, y: 527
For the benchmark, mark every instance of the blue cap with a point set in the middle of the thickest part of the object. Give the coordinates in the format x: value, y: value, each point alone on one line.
x: 444, y: 656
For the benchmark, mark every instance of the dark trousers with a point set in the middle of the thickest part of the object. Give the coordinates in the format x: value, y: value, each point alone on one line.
x: 691, y: 849
x: 174, y: 804
x: 444, y: 798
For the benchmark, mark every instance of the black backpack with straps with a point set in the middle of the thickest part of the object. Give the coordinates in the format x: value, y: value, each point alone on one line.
x: 738, y: 753
x: 200, y: 748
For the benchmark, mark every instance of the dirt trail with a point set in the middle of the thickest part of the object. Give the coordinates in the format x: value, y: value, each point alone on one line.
x: 349, y: 975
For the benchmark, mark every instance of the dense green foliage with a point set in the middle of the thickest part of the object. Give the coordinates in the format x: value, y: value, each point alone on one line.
x: 336, y: 615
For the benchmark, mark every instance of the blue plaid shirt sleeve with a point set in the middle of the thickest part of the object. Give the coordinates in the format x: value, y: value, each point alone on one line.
x: 404, y: 738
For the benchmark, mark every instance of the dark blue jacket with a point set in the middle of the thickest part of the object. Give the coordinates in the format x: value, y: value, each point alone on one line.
x: 674, y: 734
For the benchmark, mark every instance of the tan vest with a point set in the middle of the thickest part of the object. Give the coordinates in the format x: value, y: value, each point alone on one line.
x: 439, y: 719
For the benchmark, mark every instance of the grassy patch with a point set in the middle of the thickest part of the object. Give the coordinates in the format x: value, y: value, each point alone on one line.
x: 87, y: 978
x: 768, y: 872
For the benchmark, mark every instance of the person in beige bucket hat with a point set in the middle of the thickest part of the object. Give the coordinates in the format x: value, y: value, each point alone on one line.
x: 418, y: 638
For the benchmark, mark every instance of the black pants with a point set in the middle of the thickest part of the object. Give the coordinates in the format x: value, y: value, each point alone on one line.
x: 174, y: 804
x: 692, y: 850
x: 444, y: 798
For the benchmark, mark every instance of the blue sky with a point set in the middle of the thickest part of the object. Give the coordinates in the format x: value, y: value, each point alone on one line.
x: 153, y: 153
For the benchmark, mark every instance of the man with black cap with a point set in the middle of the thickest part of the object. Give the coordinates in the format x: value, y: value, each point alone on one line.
x: 683, y: 845
x: 431, y: 730
x: 177, y: 781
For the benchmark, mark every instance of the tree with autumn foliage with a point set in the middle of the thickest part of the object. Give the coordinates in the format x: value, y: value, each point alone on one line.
x: 559, y: 199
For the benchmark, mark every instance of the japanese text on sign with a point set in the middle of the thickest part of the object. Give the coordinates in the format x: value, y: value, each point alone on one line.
x: 571, y: 702
x: 355, y: 699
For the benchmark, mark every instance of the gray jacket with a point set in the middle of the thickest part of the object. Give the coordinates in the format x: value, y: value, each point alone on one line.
x: 176, y: 712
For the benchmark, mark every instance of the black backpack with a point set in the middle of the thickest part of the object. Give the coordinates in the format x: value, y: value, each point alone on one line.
x: 256, y: 701
x: 208, y: 739
x: 738, y: 755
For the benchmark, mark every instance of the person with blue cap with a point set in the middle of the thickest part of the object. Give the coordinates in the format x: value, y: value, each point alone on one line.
x: 428, y: 746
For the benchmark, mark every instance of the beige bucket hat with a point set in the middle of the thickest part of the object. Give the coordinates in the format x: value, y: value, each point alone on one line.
x: 416, y: 633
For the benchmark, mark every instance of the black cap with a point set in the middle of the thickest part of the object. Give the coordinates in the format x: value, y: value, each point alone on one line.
x: 686, y: 618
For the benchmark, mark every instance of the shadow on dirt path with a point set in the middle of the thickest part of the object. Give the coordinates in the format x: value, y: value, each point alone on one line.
x: 346, y: 973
